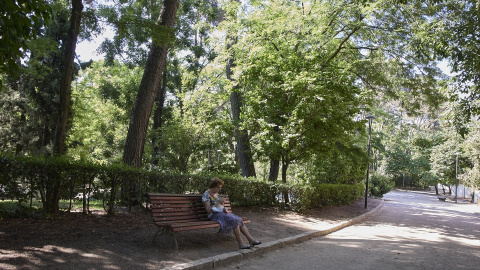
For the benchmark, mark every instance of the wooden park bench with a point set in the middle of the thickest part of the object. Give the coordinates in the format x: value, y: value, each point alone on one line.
x: 175, y: 213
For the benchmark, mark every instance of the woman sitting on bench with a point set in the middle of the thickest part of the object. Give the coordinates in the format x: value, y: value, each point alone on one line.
x: 228, y: 221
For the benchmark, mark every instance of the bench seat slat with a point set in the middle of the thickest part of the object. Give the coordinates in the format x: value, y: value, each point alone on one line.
x: 178, y: 210
x: 180, y: 217
x: 195, y: 227
x: 173, y: 218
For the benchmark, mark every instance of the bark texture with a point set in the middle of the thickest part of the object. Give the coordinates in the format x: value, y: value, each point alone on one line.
x: 67, y: 76
x: 243, y: 143
x: 142, y: 108
x: 274, y: 163
x: 274, y: 169
x: 157, y: 118
x: 53, y: 187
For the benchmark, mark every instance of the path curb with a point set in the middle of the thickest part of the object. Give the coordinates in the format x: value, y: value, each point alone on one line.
x: 236, y: 256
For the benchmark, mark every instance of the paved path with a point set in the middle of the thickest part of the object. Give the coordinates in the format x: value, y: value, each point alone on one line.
x: 412, y: 231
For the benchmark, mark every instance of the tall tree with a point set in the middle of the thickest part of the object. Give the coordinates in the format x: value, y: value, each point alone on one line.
x: 186, y: 60
x: 45, y: 67
x: 299, y: 78
x: 67, y: 76
x: 245, y: 155
x: 53, y: 188
x: 157, y: 117
x: 142, y: 107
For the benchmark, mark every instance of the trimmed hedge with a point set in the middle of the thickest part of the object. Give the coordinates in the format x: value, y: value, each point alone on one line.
x: 25, y: 178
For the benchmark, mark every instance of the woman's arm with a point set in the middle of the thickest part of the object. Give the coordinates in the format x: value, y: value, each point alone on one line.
x: 208, y: 207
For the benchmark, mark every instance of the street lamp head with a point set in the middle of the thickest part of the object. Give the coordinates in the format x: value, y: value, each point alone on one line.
x: 370, y: 119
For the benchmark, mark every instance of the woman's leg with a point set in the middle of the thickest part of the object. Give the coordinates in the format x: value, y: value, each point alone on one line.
x: 238, y: 236
x: 245, y: 232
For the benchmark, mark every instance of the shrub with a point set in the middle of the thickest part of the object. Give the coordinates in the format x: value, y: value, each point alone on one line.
x: 24, y: 178
x: 380, y: 185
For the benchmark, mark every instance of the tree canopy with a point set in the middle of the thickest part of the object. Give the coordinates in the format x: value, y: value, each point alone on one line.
x: 249, y: 87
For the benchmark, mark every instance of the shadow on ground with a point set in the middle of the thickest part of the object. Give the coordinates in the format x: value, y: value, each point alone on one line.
x: 124, y: 241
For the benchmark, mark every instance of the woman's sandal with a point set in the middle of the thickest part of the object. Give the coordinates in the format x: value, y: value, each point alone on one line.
x: 245, y: 246
x: 255, y: 242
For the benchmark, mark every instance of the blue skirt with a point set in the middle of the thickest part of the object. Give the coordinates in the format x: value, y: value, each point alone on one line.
x: 228, y: 222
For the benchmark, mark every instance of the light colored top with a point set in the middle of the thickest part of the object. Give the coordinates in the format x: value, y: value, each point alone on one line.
x: 214, y: 202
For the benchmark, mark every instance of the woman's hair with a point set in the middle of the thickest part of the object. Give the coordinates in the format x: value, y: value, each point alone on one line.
x: 215, y: 182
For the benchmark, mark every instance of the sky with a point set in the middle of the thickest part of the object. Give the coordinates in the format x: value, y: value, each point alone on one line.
x: 87, y: 50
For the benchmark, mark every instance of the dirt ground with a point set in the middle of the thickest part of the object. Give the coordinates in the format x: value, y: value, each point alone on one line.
x: 124, y: 241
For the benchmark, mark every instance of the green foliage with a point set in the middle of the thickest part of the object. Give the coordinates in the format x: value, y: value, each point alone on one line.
x: 471, y: 157
x: 26, y: 178
x: 196, y: 133
x: 135, y: 22
x: 406, y: 144
x: 34, y: 97
x: 297, y: 80
x: 102, y: 97
x: 20, y: 21
x: 443, y: 158
x: 309, y: 74
x: 451, y: 34
x: 345, y: 164
x: 318, y: 195
x: 380, y: 185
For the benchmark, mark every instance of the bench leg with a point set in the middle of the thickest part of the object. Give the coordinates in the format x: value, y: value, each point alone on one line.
x: 160, y: 229
x: 164, y: 230
x: 176, y: 243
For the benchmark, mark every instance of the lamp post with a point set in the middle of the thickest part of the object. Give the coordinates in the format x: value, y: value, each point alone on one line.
x: 370, y: 119
x: 456, y: 179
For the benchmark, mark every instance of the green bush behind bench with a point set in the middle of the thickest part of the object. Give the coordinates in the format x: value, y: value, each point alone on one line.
x: 25, y: 178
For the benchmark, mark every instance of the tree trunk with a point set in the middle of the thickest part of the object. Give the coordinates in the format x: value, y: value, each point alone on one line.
x: 243, y: 143
x: 54, y: 186
x: 274, y: 169
x: 285, y: 163
x: 157, y: 118
x: 52, y: 193
x: 19, y: 146
x: 274, y: 163
x: 142, y: 108
x: 67, y: 76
